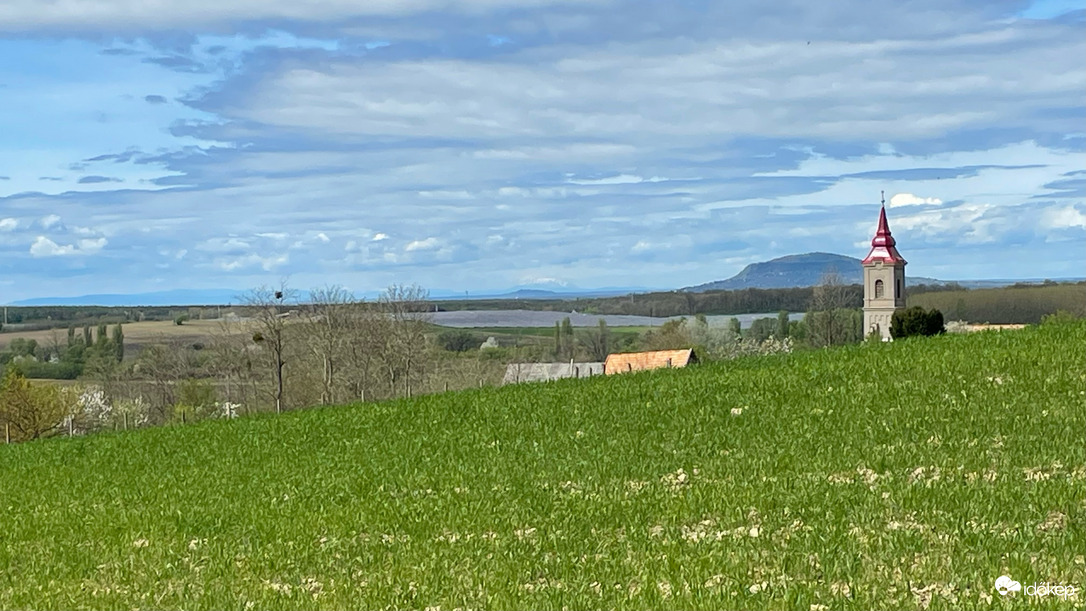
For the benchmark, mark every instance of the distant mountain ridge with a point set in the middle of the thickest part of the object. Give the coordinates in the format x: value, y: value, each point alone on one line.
x: 176, y: 297
x: 796, y: 271
x: 198, y: 297
x: 783, y: 272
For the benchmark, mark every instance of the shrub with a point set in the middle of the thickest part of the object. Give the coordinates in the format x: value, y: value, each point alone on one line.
x: 1059, y: 317
x: 764, y: 328
x: 457, y: 340
x: 33, y: 411
x: 916, y: 321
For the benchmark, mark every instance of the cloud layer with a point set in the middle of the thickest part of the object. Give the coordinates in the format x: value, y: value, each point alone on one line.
x: 481, y: 145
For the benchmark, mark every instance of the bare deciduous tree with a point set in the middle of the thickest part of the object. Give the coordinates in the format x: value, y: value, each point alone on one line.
x: 827, y: 320
x: 328, y: 315
x: 407, y: 310
x: 366, y: 330
x: 596, y: 342
x: 232, y: 355
x: 270, y: 323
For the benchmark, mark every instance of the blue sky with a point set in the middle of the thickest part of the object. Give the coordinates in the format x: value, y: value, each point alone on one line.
x: 484, y: 144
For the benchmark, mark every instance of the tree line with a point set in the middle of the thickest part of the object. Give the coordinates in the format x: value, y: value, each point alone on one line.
x: 283, y: 354
x: 1017, y: 304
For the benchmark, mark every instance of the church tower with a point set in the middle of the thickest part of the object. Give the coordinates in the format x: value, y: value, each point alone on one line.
x: 884, y: 280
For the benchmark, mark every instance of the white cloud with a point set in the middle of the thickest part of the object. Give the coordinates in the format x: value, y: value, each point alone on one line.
x: 963, y: 224
x: 49, y: 221
x: 91, y: 246
x: 908, y: 199
x: 18, y: 15
x: 44, y: 247
x: 627, y: 92
x: 1063, y: 218
x: 543, y: 281
x: 268, y: 263
x: 323, y: 237
x: 621, y: 179
x: 427, y: 244
x: 8, y: 224
x: 224, y: 245
x: 379, y: 237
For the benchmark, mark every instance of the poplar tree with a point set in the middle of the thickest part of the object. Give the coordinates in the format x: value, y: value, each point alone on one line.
x: 567, y: 338
x: 782, y: 324
x: 118, y: 342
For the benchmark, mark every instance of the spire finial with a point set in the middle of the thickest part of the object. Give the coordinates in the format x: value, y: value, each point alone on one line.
x: 883, y: 197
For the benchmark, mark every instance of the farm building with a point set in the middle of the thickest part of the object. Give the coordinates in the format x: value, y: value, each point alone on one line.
x: 639, y: 361
x: 541, y: 372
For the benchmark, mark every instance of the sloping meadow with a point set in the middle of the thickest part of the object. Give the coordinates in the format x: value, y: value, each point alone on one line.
x: 903, y: 475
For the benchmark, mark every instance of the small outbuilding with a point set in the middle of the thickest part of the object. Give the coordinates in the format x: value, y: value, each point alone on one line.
x: 542, y: 372
x: 640, y: 361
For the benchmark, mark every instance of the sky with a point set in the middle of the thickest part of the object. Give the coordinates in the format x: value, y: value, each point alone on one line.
x: 475, y: 145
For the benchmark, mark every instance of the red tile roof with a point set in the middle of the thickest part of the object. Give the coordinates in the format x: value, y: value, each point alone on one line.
x: 638, y: 361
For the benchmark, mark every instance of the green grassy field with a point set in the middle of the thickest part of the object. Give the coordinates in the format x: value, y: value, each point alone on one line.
x: 890, y: 476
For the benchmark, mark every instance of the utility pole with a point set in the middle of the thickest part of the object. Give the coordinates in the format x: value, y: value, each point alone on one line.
x: 279, y: 354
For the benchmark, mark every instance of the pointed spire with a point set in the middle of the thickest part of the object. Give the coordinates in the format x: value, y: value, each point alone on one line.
x: 883, y: 245
x: 882, y: 234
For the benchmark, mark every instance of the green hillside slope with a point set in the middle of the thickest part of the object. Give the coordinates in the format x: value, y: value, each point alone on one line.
x: 904, y: 475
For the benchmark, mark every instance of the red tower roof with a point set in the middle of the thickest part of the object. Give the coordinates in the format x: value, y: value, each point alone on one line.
x: 883, y: 245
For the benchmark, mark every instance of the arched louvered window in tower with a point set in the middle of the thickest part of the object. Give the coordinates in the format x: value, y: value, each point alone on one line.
x: 879, y: 290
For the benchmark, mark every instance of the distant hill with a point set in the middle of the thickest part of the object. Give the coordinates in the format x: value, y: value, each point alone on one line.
x: 788, y: 272
x: 194, y: 297
x: 178, y: 297
x: 796, y: 271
